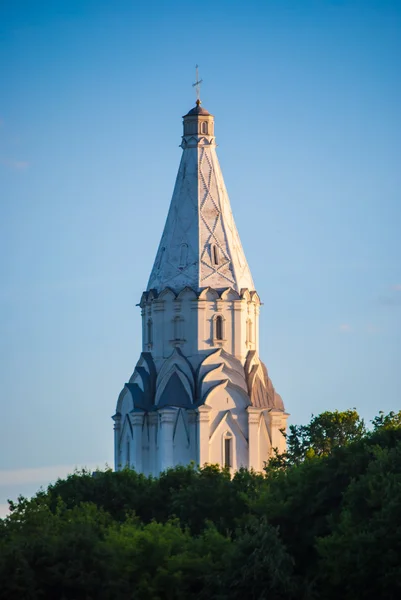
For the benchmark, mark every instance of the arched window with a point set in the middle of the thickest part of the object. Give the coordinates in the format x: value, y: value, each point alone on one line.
x: 228, y: 450
x: 215, y: 254
x: 128, y: 458
x: 219, y: 328
x: 150, y: 331
x: 183, y: 255
x: 204, y: 127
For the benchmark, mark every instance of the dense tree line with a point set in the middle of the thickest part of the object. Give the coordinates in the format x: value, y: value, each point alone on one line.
x: 323, y: 521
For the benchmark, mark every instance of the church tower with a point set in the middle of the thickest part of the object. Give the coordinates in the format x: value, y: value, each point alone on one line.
x: 199, y: 391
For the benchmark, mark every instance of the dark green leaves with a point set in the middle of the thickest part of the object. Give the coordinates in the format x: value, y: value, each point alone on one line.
x: 323, y: 521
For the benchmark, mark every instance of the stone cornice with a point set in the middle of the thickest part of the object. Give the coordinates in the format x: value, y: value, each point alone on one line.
x: 204, y: 413
x: 137, y: 418
x: 193, y: 141
x: 254, y: 414
x: 220, y: 295
x: 167, y: 415
x: 153, y: 418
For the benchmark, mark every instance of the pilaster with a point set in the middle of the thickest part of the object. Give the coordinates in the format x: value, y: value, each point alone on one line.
x: 200, y: 307
x: 153, y: 419
x: 117, y: 433
x: 278, y: 422
x: 239, y: 329
x: 192, y: 415
x: 137, y: 425
x: 158, y: 320
x: 257, y: 313
x: 203, y: 433
x: 143, y: 317
x: 253, y: 437
x: 167, y: 420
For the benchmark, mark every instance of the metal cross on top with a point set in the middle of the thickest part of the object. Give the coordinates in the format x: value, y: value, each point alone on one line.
x: 197, y: 85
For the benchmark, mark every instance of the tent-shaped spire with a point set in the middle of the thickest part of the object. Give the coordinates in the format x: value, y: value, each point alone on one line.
x: 200, y: 246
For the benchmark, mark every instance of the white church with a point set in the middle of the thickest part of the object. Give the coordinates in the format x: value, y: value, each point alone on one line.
x: 199, y: 391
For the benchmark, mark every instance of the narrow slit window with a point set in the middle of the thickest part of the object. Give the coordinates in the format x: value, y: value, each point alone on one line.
x: 219, y: 328
x: 204, y: 128
x: 228, y: 452
x: 215, y: 254
x: 128, y: 460
x: 183, y: 255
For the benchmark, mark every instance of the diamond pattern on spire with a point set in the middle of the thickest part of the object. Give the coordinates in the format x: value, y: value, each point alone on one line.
x: 200, y: 216
x: 212, y: 231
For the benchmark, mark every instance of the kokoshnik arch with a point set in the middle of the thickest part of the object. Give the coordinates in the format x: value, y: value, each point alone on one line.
x: 199, y: 391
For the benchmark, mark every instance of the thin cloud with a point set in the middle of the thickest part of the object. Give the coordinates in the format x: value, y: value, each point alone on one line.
x: 39, y: 475
x: 345, y: 328
x: 397, y: 287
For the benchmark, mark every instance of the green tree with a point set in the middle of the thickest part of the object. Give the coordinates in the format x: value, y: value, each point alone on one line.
x: 160, y: 561
x: 325, y: 432
x: 45, y: 554
x: 259, y: 567
x: 305, y: 500
x: 390, y: 421
x: 326, y: 524
x: 361, y: 556
x: 118, y: 493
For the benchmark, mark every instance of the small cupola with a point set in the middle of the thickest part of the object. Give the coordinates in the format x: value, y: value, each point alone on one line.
x: 198, y: 122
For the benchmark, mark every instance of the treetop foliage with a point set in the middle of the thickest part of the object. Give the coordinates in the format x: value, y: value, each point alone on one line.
x: 323, y: 521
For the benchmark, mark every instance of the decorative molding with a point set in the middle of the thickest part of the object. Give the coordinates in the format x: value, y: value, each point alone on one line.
x: 177, y: 342
x: 213, y: 390
x: 166, y: 378
x: 181, y: 416
x: 233, y: 423
x: 203, y: 413
x: 254, y: 415
x: 191, y: 414
x: 249, y: 295
x: 137, y: 418
x: 153, y: 418
x: 216, y: 342
x: 117, y: 421
x: 168, y: 415
x: 158, y: 305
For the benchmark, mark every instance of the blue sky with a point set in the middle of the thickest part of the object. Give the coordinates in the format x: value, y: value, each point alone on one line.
x: 306, y: 98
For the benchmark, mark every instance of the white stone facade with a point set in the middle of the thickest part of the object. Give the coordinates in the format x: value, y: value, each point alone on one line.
x: 199, y: 391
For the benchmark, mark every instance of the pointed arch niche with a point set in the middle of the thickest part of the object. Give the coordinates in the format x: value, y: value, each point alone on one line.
x: 218, y: 329
x: 215, y: 254
x: 177, y: 330
x: 228, y: 450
